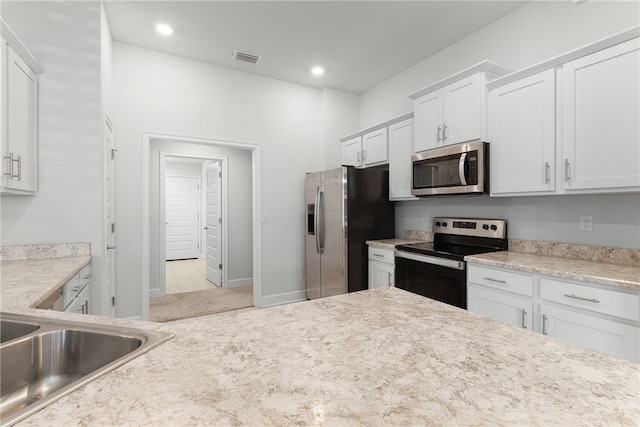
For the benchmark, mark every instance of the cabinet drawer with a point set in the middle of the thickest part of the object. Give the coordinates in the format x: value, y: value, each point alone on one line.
x: 619, y: 304
x: 84, y: 275
x: 71, y: 289
x: 382, y: 255
x: 500, y: 279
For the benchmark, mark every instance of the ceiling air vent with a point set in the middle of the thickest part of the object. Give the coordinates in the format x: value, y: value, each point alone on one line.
x: 246, y: 57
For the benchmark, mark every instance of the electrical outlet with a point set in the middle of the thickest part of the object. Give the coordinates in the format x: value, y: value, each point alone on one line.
x: 586, y: 223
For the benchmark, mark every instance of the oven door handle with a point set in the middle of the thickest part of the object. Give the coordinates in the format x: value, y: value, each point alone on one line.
x: 443, y: 262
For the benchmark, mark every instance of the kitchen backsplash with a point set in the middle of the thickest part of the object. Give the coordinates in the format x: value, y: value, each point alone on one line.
x: 620, y: 256
x: 51, y: 250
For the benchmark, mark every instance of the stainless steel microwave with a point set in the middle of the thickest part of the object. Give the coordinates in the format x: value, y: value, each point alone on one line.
x: 453, y: 169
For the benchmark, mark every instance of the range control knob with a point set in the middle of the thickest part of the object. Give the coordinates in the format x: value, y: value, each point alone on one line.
x: 494, y: 227
x: 485, y: 226
x: 437, y: 223
x: 444, y: 224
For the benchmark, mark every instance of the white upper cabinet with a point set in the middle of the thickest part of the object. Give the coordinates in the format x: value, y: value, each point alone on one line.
x: 375, y: 148
x: 19, y: 123
x: 400, y: 167
x: 569, y: 124
x: 522, y: 134
x: 600, y: 119
x: 352, y: 152
x: 453, y: 110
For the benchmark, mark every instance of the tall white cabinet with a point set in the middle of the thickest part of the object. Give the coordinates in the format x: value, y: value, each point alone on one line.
x: 19, y: 117
x: 569, y: 124
x: 600, y: 110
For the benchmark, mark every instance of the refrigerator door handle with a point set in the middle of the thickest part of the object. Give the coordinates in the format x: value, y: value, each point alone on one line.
x: 316, y: 219
x: 320, y: 220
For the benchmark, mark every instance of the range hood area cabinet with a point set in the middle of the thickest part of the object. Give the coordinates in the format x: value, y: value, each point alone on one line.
x: 569, y: 124
x: 454, y: 109
x: 19, y: 73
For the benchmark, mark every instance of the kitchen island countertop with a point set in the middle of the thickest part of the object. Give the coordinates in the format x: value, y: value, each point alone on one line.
x: 377, y: 357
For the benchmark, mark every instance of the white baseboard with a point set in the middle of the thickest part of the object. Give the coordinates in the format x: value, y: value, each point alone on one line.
x: 284, y: 298
x: 236, y: 283
x: 155, y: 293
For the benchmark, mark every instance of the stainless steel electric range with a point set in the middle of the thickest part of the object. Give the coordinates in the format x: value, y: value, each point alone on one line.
x: 437, y: 269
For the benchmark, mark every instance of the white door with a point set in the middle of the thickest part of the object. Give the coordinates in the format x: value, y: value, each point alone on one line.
x: 463, y: 110
x: 375, y: 147
x: 214, y: 237
x: 182, y: 203
x: 400, y: 168
x: 517, y: 312
x: 351, y: 152
x: 110, y: 222
x: 428, y: 121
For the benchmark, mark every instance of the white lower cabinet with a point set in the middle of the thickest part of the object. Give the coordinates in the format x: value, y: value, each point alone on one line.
x: 76, y: 292
x: 514, y: 311
x: 586, y: 314
x: 381, y: 267
x: 591, y: 332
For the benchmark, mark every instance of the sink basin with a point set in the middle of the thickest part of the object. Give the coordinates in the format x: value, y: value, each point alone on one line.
x: 54, y: 358
x: 11, y: 329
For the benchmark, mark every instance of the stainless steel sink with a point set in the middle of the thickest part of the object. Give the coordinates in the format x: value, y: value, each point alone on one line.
x: 11, y: 329
x: 52, y: 358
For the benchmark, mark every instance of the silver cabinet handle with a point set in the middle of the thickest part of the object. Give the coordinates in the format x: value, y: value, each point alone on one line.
x: 13, y: 160
x: 389, y: 279
x: 491, y: 279
x: 567, y: 175
x: 364, y: 156
x: 438, y: 137
x: 544, y: 324
x: 547, y: 173
x: 444, y: 133
x: 378, y: 255
x: 358, y: 158
x: 523, y: 318
x: 320, y: 221
x: 582, y: 298
x: 19, y: 161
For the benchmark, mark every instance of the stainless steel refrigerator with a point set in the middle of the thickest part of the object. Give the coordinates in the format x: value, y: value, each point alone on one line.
x: 345, y: 208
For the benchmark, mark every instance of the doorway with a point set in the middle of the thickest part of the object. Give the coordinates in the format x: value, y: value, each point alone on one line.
x: 193, y: 200
x: 195, y: 148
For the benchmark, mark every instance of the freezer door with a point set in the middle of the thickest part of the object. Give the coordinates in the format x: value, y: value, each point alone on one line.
x: 312, y: 237
x: 333, y: 260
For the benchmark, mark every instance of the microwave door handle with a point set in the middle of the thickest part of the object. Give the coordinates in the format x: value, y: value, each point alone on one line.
x: 461, y: 162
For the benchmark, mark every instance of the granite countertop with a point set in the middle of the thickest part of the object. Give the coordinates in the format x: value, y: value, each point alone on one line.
x: 28, y: 282
x: 391, y: 243
x: 623, y: 276
x: 382, y: 356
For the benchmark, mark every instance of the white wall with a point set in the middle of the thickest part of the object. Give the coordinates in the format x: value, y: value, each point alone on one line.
x: 240, y: 243
x: 535, y: 32
x: 167, y: 94
x: 340, y: 118
x: 531, y: 34
x: 65, y: 38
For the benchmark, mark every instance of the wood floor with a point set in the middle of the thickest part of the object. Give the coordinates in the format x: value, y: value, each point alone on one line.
x: 186, y: 276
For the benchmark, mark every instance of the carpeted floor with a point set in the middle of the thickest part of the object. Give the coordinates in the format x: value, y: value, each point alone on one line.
x: 199, y: 303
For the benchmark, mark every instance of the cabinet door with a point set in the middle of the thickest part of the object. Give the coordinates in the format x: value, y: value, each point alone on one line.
x: 400, y: 167
x: 517, y: 312
x: 601, y: 106
x: 381, y: 275
x: 21, y: 114
x: 594, y: 333
x: 352, y: 152
x: 427, y: 114
x: 463, y: 113
x: 375, y: 147
x: 523, y: 135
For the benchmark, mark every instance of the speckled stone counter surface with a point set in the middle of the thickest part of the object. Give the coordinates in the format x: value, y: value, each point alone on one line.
x: 623, y: 276
x: 390, y: 243
x: 378, y: 357
x: 28, y: 282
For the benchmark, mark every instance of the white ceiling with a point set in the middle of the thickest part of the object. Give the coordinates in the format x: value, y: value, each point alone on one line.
x: 359, y: 43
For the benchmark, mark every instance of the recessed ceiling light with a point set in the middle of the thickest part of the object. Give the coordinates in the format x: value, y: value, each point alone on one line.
x: 164, y: 29
x: 317, y: 71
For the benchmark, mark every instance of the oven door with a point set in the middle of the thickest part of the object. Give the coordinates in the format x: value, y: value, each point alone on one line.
x: 436, y: 278
x: 454, y: 169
